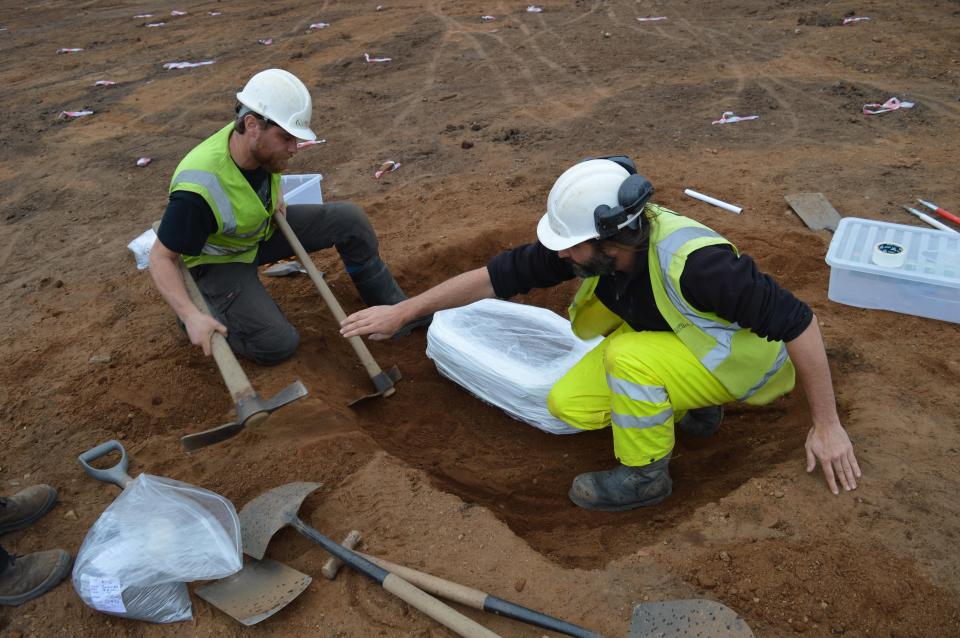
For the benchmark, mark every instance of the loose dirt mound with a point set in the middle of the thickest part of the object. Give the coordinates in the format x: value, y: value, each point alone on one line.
x: 484, y: 116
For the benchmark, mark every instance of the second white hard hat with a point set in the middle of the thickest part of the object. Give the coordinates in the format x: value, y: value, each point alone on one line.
x: 280, y: 97
x: 573, y: 199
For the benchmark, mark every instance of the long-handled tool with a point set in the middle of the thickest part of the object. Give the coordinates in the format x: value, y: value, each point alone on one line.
x: 669, y: 619
x: 940, y: 211
x: 259, y: 590
x: 262, y: 517
x: 251, y: 409
x: 383, y: 382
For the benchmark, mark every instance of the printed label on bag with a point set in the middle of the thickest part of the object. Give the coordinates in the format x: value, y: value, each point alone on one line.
x: 105, y: 594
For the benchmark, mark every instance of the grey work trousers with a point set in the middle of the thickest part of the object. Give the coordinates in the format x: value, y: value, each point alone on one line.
x: 256, y: 328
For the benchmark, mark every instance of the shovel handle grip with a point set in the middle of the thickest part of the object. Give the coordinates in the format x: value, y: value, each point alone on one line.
x: 116, y: 474
x: 373, y: 370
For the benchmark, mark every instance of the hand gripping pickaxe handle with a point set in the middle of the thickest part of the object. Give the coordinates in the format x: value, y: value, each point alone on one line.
x: 383, y: 381
x: 251, y: 409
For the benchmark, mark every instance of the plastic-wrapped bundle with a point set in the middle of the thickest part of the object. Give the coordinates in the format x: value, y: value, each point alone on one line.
x: 157, y: 535
x: 508, y: 355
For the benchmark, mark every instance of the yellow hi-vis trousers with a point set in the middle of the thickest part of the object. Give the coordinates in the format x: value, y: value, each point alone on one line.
x: 639, y: 383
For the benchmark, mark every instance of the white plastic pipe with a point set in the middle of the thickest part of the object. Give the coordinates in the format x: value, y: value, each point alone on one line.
x: 930, y: 220
x: 710, y: 200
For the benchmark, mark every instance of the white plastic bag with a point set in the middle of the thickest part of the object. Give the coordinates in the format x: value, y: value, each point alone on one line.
x: 508, y: 355
x: 156, y: 536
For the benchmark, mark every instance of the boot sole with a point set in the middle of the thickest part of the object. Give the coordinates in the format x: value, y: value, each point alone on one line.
x: 56, y: 576
x: 46, y: 507
x: 617, y: 508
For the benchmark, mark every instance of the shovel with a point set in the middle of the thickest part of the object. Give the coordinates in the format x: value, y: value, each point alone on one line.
x: 383, y: 382
x: 259, y: 590
x: 273, y: 510
x: 667, y: 619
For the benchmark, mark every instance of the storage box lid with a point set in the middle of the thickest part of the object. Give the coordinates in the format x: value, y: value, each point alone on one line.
x: 932, y: 256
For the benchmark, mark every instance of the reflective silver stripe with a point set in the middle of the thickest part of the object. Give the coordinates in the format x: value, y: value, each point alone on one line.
x: 781, y: 359
x: 252, y: 233
x: 210, y: 182
x: 212, y: 249
x: 637, y: 392
x: 630, y: 422
x: 723, y: 335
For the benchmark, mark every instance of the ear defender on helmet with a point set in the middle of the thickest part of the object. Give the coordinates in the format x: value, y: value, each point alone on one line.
x: 633, y: 195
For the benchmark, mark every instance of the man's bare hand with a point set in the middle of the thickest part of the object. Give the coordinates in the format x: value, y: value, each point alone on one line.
x: 200, y: 329
x: 380, y: 322
x: 831, y: 447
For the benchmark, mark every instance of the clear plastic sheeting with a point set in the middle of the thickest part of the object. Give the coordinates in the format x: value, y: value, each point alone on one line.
x: 508, y: 355
x: 156, y: 536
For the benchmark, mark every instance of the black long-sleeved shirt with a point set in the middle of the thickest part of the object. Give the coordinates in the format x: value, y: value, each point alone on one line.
x: 714, y: 279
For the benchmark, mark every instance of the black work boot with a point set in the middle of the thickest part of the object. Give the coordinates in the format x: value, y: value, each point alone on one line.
x: 24, y: 578
x: 377, y: 287
x: 26, y: 507
x: 702, y: 421
x: 623, y: 488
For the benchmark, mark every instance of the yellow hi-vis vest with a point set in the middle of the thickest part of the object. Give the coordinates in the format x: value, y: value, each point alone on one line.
x: 242, y: 221
x: 750, y: 367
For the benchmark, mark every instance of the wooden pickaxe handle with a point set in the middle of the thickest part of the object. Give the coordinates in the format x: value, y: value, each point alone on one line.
x: 373, y: 370
x: 233, y: 375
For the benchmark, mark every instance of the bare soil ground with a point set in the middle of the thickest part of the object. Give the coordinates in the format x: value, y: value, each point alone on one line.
x: 484, y: 116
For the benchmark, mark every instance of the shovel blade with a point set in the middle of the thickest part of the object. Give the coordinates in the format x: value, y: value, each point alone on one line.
x: 256, y: 592
x: 273, y: 510
x: 383, y: 383
x: 680, y: 618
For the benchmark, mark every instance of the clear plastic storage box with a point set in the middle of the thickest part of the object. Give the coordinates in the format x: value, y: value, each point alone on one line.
x: 301, y: 189
x: 919, y: 276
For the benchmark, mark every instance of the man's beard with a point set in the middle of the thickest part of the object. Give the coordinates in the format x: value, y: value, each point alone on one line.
x: 269, y: 164
x: 599, y: 264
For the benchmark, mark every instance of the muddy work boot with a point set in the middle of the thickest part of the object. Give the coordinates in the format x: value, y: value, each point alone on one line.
x: 26, y: 507
x: 623, y: 488
x: 23, y: 578
x: 377, y: 287
x: 702, y: 421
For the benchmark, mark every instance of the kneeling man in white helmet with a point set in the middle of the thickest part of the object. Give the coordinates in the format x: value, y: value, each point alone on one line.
x: 219, y: 221
x: 689, y: 325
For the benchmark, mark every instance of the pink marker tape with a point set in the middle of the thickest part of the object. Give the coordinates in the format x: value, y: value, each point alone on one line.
x: 729, y: 118
x: 387, y: 167
x: 890, y: 105
x: 143, y: 161
x: 309, y: 143
x: 69, y: 50
x: 319, y: 25
x: 71, y: 114
x: 366, y: 56
x: 187, y: 65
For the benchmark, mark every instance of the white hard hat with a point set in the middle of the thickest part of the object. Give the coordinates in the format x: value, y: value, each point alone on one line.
x: 573, y: 199
x: 280, y: 97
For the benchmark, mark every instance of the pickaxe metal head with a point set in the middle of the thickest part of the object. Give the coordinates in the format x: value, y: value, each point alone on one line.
x: 251, y: 411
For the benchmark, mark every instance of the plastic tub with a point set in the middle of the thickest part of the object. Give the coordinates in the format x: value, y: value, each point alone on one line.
x: 301, y: 189
x: 925, y: 284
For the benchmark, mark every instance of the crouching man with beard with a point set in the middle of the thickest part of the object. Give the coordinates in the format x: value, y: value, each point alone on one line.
x: 219, y: 221
x: 689, y: 325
